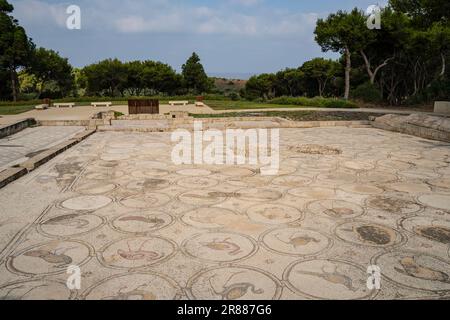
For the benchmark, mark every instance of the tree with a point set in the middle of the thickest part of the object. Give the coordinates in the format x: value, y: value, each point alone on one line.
x: 382, y: 45
x: 262, y: 86
x: 107, y: 77
x: 15, y: 48
x: 345, y: 33
x: 194, y: 75
x: 321, y: 71
x: 48, y: 65
x: 439, y: 35
x: 424, y: 13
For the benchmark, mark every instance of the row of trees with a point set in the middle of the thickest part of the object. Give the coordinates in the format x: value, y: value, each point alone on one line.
x: 30, y: 72
x: 317, y: 77
x: 112, y: 77
x: 21, y: 62
x: 404, y: 61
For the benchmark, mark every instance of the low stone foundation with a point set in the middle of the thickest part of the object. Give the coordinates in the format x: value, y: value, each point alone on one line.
x: 423, y: 126
x: 16, y: 127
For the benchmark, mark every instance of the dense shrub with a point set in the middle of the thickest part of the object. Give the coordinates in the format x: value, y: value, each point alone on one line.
x: 314, y: 102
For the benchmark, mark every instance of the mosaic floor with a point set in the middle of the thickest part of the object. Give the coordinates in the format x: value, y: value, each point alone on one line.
x: 142, y: 228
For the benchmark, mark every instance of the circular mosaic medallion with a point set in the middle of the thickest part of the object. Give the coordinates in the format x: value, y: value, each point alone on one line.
x: 368, y: 234
x: 142, y: 223
x: 197, y: 183
x: 441, y: 183
x: 33, y: 290
x: 313, y: 192
x: 337, y: 177
x: 292, y: 181
x: 393, y: 204
x: 71, y: 225
x: 274, y: 214
x: 134, y: 253
x: 115, y: 157
x: 296, y: 241
x: 237, y: 172
x: 49, y: 258
x: 194, y: 172
x: 135, y: 286
x: 95, y: 187
x: 376, y: 177
x: 148, y: 184
x: 119, y: 151
x: 209, y: 218
x: 220, y: 247
x: 86, y: 203
x: 364, y: 189
x: 424, y: 226
x: 234, y: 283
x: 359, y: 165
x: 203, y: 197
x: 145, y: 201
x: 415, y: 270
x: 120, y: 145
x: 259, y: 194
x: 250, y: 181
x: 328, y: 280
x: 149, y: 173
x: 410, y: 187
x: 336, y: 209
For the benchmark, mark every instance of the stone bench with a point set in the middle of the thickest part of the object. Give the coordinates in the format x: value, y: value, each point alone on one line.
x: 97, y: 104
x: 199, y: 104
x: 442, y: 107
x: 64, y: 105
x: 41, y: 107
x: 173, y: 103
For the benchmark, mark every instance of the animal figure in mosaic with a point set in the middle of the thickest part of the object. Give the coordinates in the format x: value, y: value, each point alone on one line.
x: 234, y: 291
x: 70, y: 220
x: 412, y: 268
x: 297, y: 240
x: 156, y: 222
x: 139, y: 293
x: 140, y: 254
x: 223, y: 245
x: 333, y: 277
x: 57, y: 257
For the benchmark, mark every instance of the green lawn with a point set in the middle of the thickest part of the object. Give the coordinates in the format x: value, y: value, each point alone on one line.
x: 240, y: 105
x: 306, y: 115
x: 15, y: 109
x: 282, y: 102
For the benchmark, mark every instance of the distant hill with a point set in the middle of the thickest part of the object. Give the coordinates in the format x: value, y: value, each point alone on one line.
x: 229, y: 85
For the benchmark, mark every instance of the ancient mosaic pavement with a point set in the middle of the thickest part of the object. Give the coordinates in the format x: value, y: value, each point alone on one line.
x: 142, y: 228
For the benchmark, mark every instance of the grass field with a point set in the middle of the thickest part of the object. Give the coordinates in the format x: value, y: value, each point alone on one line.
x: 241, y: 105
x: 306, y: 115
x: 282, y: 102
x: 15, y: 109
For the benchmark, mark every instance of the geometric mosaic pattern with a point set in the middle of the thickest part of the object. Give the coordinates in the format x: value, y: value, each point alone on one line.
x: 142, y: 228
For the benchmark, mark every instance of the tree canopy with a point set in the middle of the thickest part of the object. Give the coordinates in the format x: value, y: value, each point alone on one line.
x: 194, y: 75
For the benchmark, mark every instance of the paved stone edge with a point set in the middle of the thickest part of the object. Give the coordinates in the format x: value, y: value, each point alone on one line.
x: 9, y: 175
x: 13, y: 128
x: 238, y: 124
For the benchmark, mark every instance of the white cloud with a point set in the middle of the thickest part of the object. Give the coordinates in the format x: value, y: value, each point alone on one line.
x: 162, y: 16
x: 247, y: 3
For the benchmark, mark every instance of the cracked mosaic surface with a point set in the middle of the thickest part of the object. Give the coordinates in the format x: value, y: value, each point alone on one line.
x: 142, y: 228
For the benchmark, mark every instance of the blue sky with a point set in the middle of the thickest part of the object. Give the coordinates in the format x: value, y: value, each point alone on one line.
x: 231, y: 36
